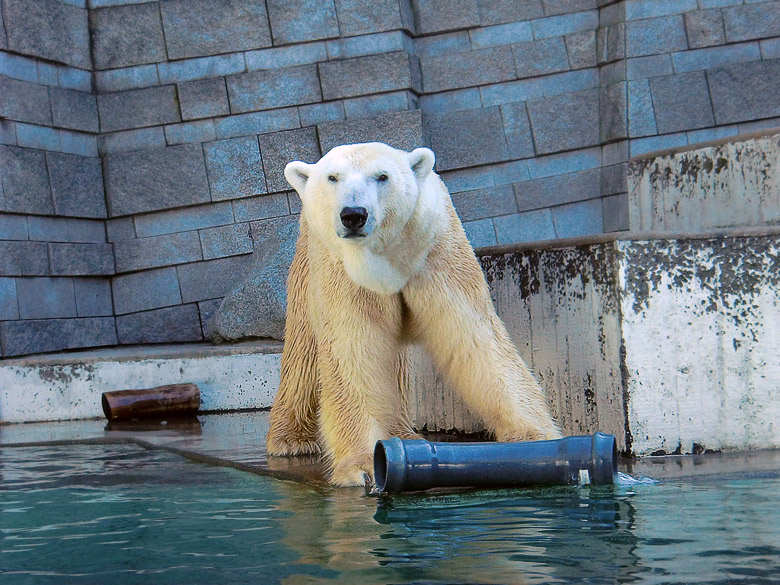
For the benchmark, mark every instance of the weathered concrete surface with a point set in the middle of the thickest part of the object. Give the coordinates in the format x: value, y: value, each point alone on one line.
x: 69, y: 386
x: 700, y: 322
x: 731, y: 184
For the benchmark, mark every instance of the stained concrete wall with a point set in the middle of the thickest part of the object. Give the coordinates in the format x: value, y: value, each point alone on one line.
x: 727, y: 184
x: 186, y: 112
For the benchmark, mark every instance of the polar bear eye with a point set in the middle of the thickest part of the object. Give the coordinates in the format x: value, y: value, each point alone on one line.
x: 333, y: 178
x: 382, y: 178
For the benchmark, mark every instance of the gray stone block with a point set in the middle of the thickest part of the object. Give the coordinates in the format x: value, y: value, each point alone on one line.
x: 24, y: 101
x: 480, y: 233
x: 501, y: 34
x: 7, y: 132
x: 138, y: 108
x: 86, y: 231
x: 770, y: 49
x: 611, y: 43
x: 578, y: 219
x: 254, y: 208
x: 200, y: 131
x: 615, y: 213
x: 182, y: 220
x: 566, y: 162
x: 484, y: 203
x: 655, y: 36
x: 557, y: 7
x: 211, y: 279
x: 3, y: 36
x: 74, y: 109
x: 365, y: 75
x: 558, y: 190
x: 314, y: 114
x: 40, y: 137
x: 258, y: 123
x: 13, y: 227
x: 468, y: 179
x: 510, y: 172
x: 442, y: 44
x: 712, y: 57
x: 207, y: 310
x: 681, y: 102
x: 558, y: 26
x: 639, y: 9
x: 565, y: 122
x: 357, y: 17
x: 289, y: 56
x: 142, y: 291
x: 264, y: 90
x: 228, y: 240
x: 194, y: 28
x: 653, y: 143
x: 641, y: 116
x: 295, y: 203
x: 614, y: 112
x: 402, y: 130
x: 451, y: 101
x: 757, y: 21
x: 45, y: 335
x: 581, y: 48
x: 375, y: 105
x: 93, y: 297
x: 76, y: 185
x: 614, y: 179
x: 169, y: 325
x: 157, y: 251
x: 126, y: 78
x: 234, y: 168
x: 744, y: 92
x: 46, y: 298
x: 457, y: 70
x: 150, y: 180
x: 518, y: 130
x: 255, y: 306
x: 24, y: 259
x: 47, y: 229
x: 49, y: 29
x: 129, y: 140
x: 127, y: 35
x: 25, y: 182
x: 81, y: 259
x: 118, y: 230
x: 467, y: 138
x: 531, y: 226
x: 646, y: 67
x: 295, y: 21
x: 502, y: 11
x: 540, y: 57
x: 200, y: 68
x: 705, y: 28
x: 9, y: 303
x: 280, y: 148
x: 77, y: 79
x: 47, y: 74
x: 203, y: 99
x: 78, y: 143
x: 20, y: 67
x: 433, y: 16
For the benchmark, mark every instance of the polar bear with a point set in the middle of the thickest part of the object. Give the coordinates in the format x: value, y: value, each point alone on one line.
x: 382, y: 259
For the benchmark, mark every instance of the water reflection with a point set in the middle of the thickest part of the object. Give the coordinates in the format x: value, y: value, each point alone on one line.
x: 512, y: 536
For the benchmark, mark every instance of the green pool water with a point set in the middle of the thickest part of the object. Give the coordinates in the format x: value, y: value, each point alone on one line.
x: 122, y: 515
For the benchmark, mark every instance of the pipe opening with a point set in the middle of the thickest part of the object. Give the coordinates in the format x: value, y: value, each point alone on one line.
x: 380, y: 466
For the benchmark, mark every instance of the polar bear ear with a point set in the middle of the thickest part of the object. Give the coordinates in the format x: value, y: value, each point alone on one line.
x: 297, y: 173
x: 421, y: 160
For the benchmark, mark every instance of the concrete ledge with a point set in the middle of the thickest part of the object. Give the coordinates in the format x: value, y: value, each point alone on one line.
x: 69, y: 385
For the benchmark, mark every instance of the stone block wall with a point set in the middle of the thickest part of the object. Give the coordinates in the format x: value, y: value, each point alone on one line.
x: 165, y: 126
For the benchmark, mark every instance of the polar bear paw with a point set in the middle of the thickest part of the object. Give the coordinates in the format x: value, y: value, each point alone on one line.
x: 351, y: 475
x: 291, y: 447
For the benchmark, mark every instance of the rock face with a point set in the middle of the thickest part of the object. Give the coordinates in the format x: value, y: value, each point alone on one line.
x: 256, y: 306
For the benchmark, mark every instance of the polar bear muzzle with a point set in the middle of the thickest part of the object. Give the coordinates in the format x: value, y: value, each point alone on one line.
x: 354, y: 218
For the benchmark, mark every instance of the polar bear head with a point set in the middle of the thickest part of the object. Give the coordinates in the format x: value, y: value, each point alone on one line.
x: 359, y: 200
x: 361, y: 193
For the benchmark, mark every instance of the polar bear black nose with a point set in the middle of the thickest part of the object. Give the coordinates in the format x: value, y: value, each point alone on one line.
x: 354, y: 218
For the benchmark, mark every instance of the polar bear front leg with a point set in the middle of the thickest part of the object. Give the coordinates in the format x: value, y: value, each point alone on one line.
x: 294, y: 427
x: 455, y: 318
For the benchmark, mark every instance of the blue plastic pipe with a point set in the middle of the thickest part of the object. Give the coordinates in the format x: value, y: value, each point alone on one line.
x: 415, y: 465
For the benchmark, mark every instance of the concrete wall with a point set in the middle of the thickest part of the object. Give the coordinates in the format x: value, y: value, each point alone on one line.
x: 193, y: 107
